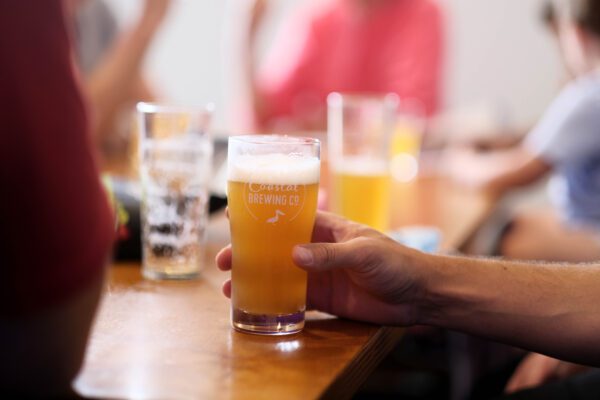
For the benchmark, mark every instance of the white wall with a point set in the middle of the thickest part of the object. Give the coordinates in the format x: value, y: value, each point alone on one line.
x: 498, y: 54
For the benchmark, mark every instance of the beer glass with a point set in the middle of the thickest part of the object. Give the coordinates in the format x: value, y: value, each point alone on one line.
x: 406, y: 141
x: 272, y: 198
x: 359, y: 133
x: 175, y: 168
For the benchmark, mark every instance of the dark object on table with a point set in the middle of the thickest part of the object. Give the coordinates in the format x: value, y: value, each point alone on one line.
x: 128, y: 195
x: 129, y: 244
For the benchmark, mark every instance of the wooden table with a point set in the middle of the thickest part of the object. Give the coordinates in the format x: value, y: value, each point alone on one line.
x: 173, y: 339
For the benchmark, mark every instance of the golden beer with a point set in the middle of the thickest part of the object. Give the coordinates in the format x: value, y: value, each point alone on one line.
x: 265, y: 226
x: 359, y: 132
x: 272, y: 203
x: 362, y: 193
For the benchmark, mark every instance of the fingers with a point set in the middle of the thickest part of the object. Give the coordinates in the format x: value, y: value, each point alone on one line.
x: 333, y: 228
x: 227, y: 288
x: 223, y: 258
x: 534, y: 370
x: 327, y: 256
x: 514, y: 384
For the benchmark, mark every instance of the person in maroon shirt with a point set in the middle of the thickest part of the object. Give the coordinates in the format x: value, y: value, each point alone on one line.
x: 55, y: 222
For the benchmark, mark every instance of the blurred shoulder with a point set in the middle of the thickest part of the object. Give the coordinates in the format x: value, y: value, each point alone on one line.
x: 425, y: 9
x: 582, y: 92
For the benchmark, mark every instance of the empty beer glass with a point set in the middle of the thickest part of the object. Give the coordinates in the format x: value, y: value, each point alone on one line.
x: 175, y: 167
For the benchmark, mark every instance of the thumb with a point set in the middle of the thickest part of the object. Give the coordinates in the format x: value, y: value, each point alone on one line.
x: 324, y: 256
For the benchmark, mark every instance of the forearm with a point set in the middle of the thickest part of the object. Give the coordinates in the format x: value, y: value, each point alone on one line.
x: 551, y: 309
x: 513, y: 171
x: 115, y: 80
x: 499, y: 171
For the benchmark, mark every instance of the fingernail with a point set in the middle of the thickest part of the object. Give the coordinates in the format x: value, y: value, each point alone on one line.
x: 303, y: 255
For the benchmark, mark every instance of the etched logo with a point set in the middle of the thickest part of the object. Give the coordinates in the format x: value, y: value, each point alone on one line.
x: 273, y: 220
x: 274, y: 204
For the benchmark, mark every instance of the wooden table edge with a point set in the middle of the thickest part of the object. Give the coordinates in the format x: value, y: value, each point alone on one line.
x: 359, y: 369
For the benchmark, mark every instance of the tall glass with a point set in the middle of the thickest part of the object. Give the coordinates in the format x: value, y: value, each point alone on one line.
x: 175, y: 169
x: 359, y: 137
x: 272, y: 197
x: 406, y: 141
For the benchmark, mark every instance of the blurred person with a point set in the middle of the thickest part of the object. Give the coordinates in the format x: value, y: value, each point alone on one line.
x: 56, y: 225
x: 111, y: 63
x: 483, y: 128
x: 564, y: 143
x: 360, y: 46
x: 358, y: 273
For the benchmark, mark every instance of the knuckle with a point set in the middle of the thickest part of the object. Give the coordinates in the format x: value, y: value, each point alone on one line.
x: 368, y: 251
x: 328, y: 254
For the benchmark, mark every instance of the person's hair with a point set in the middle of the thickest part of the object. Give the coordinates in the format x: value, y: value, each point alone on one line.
x: 585, y: 13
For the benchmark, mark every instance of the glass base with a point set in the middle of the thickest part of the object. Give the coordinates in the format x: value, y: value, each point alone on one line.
x: 161, y: 275
x: 261, y: 324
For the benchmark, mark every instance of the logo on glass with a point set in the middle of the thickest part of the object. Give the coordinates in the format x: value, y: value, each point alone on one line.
x: 273, y: 203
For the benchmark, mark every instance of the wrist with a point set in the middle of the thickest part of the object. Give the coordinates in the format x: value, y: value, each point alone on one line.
x: 418, y: 277
x: 427, y: 300
x: 446, y: 293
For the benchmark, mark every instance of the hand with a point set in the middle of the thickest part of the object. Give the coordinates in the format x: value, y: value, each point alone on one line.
x: 354, y: 272
x: 537, y: 369
x: 465, y: 166
x: 155, y: 12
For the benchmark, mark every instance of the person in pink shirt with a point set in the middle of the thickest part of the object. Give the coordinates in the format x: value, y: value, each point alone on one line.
x: 360, y: 46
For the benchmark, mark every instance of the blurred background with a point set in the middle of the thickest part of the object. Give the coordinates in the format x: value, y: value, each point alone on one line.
x: 502, y: 65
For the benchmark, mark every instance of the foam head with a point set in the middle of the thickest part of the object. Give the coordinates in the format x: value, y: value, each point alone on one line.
x: 361, y: 166
x: 274, y: 169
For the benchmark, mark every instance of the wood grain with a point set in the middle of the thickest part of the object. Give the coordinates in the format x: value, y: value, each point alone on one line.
x: 173, y: 339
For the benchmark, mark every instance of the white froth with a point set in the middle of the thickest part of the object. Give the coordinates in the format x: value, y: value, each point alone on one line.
x: 274, y: 169
x: 361, y: 165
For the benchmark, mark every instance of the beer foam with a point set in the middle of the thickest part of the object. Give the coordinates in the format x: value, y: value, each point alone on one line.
x: 274, y: 169
x: 362, y: 166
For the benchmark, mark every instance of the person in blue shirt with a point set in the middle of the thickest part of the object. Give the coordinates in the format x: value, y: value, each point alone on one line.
x: 565, y: 144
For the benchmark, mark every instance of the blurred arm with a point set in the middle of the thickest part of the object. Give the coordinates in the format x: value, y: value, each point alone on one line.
x: 56, y: 226
x: 496, y: 171
x: 118, y: 78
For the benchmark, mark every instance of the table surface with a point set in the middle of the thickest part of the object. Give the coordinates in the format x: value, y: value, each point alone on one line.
x: 173, y: 339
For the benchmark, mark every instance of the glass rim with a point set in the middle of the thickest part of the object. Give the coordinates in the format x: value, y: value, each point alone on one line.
x: 158, y: 107
x: 338, y: 99
x: 275, y: 139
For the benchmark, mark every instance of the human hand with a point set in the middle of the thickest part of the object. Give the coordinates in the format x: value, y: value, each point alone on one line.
x: 537, y: 369
x: 355, y: 272
x: 466, y: 166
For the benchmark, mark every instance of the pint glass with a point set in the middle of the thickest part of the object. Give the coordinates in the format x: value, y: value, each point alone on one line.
x: 175, y: 168
x: 272, y: 198
x: 359, y: 136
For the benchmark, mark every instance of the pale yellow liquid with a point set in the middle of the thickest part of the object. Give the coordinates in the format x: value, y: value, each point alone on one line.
x: 406, y: 140
x: 362, y: 198
x: 265, y: 281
